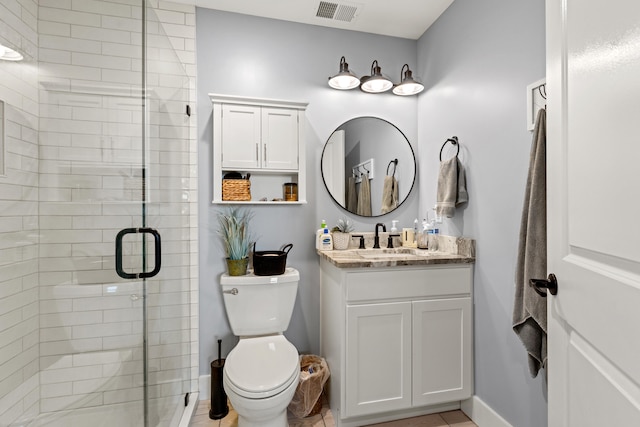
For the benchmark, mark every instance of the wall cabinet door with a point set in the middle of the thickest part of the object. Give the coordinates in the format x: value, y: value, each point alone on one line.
x: 279, y: 138
x: 378, y: 358
x: 259, y: 138
x: 442, y: 351
x: 241, y: 135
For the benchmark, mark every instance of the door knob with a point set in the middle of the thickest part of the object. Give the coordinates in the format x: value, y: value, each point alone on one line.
x: 550, y: 284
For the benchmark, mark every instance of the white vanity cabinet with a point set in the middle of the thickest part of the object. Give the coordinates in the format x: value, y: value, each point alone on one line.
x: 260, y: 137
x: 398, y: 340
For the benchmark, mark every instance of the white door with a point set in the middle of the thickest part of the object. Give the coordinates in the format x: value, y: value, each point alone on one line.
x: 593, y: 164
x: 333, y: 167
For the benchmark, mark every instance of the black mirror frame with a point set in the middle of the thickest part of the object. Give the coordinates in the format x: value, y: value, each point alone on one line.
x: 413, y: 155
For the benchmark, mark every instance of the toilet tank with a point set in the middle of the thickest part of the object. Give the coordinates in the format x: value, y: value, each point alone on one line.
x: 260, y: 305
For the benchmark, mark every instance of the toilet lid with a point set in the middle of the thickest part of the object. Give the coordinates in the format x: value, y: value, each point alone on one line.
x: 262, y: 365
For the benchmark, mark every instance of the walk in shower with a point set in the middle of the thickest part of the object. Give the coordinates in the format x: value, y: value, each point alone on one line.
x: 97, y: 214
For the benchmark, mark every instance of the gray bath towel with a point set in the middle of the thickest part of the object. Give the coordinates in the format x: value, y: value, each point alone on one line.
x: 389, y: 194
x: 529, y: 308
x: 452, y: 187
x: 364, y: 197
x: 352, y: 196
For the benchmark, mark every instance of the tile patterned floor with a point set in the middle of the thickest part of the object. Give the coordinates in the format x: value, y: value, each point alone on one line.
x: 325, y: 419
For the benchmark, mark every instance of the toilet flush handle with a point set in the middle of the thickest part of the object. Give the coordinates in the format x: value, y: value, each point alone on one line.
x: 233, y: 291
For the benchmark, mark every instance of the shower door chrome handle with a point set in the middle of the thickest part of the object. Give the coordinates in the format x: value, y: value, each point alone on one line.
x: 158, y: 253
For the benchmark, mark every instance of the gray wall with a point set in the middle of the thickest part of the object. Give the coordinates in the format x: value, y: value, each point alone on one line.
x: 250, y: 56
x: 476, y: 62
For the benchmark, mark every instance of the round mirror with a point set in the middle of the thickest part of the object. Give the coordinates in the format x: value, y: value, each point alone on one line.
x: 368, y: 166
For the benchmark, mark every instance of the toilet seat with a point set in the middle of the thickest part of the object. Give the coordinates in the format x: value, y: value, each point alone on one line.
x: 261, y: 367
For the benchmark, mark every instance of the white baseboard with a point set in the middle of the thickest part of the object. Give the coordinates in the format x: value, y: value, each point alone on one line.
x: 204, y: 385
x: 482, y: 414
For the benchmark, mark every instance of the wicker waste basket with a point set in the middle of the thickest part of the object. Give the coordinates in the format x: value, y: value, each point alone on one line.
x: 314, y: 373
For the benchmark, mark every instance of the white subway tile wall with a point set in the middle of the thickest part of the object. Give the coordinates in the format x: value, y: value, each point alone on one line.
x: 73, y: 328
x: 19, y: 340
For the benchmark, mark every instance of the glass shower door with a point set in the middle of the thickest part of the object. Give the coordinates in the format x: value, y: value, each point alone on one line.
x: 91, y: 182
x: 168, y: 209
x: 114, y: 155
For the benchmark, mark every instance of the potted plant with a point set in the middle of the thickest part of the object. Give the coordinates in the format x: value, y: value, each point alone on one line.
x: 342, y: 233
x: 236, y: 238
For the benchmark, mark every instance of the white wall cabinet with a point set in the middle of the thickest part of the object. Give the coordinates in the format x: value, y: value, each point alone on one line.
x: 398, y: 340
x: 260, y: 137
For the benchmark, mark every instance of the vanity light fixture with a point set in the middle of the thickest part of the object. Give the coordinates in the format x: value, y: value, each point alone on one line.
x: 408, y: 85
x: 376, y: 82
x: 8, y: 54
x: 345, y: 79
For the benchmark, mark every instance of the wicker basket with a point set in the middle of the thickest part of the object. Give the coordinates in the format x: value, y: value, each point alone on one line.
x: 236, y: 190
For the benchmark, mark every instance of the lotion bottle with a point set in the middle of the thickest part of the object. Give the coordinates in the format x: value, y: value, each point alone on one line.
x: 319, y: 232
x: 326, y: 241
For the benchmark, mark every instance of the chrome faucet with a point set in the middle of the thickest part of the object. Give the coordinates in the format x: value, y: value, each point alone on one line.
x: 376, y: 239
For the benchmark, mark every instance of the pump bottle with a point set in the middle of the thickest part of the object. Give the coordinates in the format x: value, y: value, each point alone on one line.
x: 326, y: 240
x: 320, y: 232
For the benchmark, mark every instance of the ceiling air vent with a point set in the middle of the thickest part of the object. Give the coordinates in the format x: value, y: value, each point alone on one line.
x: 337, y: 11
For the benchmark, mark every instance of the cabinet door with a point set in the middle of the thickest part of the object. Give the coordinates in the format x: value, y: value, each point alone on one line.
x: 240, y: 137
x: 378, y: 358
x: 279, y: 138
x: 441, y: 350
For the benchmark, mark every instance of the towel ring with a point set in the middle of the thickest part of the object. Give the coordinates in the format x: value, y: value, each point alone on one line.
x: 454, y: 141
x: 395, y: 164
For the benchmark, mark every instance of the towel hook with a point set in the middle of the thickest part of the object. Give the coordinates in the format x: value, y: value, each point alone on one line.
x: 395, y: 164
x: 454, y: 141
x: 542, y: 90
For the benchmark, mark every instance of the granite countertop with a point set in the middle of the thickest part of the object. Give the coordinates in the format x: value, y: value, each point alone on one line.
x: 451, y: 250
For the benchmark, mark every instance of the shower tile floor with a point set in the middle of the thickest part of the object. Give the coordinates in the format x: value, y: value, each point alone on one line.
x: 325, y: 419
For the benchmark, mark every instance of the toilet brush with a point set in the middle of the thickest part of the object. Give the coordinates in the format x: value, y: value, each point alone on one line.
x: 219, y: 407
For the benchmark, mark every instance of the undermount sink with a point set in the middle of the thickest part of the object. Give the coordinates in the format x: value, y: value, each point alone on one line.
x: 379, y: 255
x: 398, y: 253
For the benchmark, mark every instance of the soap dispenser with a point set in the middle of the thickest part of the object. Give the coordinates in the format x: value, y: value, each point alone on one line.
x: 320, y: 232
x: 326, y: 241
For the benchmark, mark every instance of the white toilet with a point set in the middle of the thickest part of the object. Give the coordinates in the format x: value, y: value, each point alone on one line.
x: 262, y: 371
